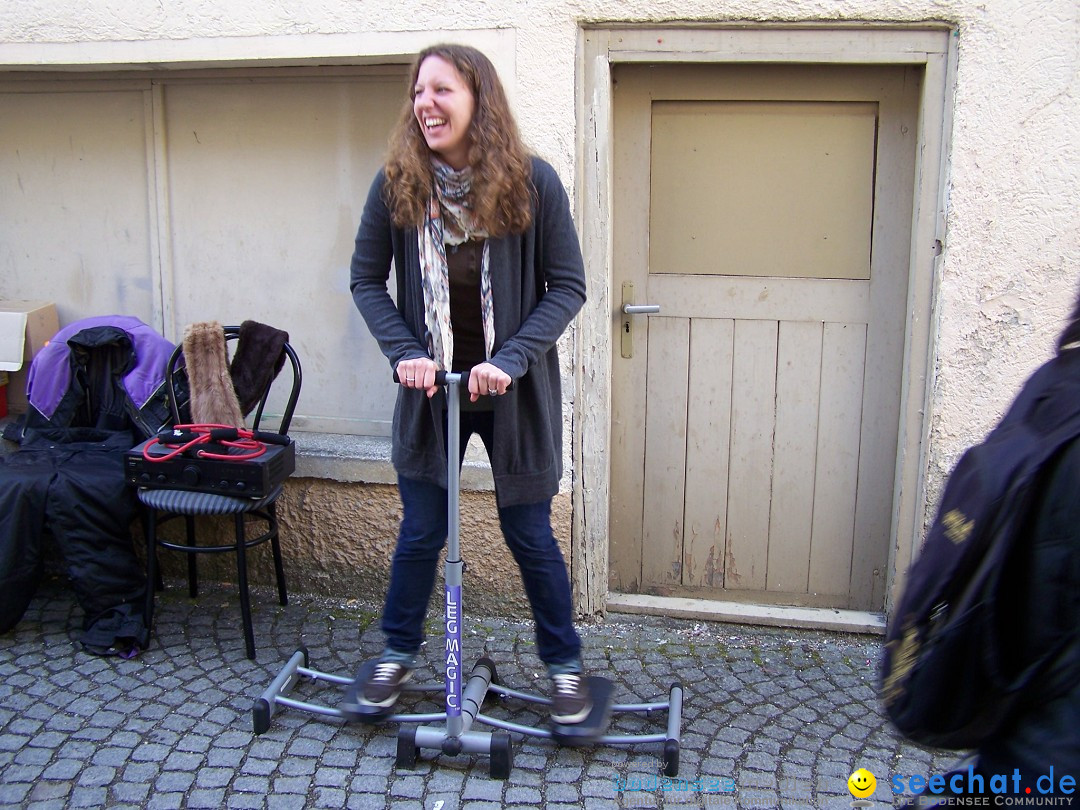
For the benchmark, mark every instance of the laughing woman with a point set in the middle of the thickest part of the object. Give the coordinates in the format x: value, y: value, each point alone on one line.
x: 488, y: 276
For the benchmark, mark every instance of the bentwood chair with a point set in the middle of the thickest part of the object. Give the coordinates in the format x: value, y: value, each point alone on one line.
x: 162, y: 504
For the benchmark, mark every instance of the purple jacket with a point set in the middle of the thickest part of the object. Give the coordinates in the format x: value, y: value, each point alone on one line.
x: 135, y: 353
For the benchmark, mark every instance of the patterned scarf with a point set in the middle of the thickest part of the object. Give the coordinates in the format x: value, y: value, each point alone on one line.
x: 449, y: 221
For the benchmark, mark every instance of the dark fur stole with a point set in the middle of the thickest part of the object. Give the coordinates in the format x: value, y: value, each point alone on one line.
x: 259, y: 356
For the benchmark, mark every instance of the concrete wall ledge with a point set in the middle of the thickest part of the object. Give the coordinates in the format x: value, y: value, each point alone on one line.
x: 365, y: 460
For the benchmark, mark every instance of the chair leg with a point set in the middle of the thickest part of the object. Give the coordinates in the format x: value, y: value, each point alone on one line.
x: 153, y: 576
x: 192, y: 567
x: 275, y: 544
x: 241, y: 575
x: 149, y: 524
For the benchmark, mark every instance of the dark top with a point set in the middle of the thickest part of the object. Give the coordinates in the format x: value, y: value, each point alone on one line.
x: 466, y: 316
x: 463, y: 264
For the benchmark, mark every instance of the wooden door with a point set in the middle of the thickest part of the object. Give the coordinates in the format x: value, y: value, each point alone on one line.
x: 766, y: 210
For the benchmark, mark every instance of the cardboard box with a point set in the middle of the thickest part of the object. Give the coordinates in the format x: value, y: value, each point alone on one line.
x: 25, y: 327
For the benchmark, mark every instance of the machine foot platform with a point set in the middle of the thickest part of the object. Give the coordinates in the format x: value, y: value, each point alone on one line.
x: 596, y: 723
x: 352, y: 705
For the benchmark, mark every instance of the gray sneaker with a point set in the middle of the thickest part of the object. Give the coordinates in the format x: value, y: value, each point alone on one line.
x: 384, y: 685
x: 570, y: 698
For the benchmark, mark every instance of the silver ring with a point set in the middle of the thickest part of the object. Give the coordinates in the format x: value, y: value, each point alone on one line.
x: 410, y: 379
x: 492, y: 392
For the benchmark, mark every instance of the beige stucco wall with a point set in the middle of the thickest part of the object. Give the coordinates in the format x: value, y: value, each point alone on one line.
x: 337, y: 540
x: 1008, y: 274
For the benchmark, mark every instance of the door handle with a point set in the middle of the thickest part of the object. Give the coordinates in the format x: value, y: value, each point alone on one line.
x: 626, y: 325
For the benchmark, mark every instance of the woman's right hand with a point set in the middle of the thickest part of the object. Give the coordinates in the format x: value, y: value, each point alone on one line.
x: 418, y: 372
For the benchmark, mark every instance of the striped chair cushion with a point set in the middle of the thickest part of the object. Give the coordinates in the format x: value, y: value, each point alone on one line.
x: 202, y: 503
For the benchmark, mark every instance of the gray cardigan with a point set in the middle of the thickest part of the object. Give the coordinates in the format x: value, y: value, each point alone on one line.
x: 538, y: 286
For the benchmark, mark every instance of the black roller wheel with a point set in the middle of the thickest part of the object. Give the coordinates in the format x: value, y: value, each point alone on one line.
x: 260, y: 715
x: 407, y: 750
x: 502, y: 755
x: 671, y: 758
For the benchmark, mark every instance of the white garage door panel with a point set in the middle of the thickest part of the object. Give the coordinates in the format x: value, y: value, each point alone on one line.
x: 74, y: 223
x: 266, y: 186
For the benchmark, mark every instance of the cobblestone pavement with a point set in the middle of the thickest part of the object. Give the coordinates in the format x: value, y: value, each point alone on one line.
x: 771, y: 717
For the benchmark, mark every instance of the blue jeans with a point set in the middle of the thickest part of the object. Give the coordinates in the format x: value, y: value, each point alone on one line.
x: 527, y: 530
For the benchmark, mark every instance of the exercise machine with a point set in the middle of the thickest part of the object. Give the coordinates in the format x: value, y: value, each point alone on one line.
x: 452, y: 731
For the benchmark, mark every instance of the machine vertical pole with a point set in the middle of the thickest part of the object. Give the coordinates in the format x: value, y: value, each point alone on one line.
x: 452, y: 607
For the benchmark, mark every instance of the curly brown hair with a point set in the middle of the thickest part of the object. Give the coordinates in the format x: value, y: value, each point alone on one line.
x: 502, y: 189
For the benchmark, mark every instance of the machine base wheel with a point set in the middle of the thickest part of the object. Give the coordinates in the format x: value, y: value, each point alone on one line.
x: 502, y: 755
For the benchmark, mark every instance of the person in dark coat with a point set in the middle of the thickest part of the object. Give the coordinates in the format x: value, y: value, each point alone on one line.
x: 1036, y: 752
x: 489, y: 274
x: 1043, y: 596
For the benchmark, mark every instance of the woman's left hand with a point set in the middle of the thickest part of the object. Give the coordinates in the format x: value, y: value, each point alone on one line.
x: 486, y: 380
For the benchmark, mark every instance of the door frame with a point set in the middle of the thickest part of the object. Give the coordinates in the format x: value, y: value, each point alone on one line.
x: 930, y: 46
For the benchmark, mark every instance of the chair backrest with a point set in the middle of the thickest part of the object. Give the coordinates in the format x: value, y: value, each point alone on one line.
x: 278, y: 382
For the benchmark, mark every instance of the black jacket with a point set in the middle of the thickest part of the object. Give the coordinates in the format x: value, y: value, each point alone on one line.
x: 94, y: 391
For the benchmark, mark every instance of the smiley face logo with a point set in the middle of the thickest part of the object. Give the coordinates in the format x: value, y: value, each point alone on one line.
x: 862, y: 784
